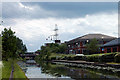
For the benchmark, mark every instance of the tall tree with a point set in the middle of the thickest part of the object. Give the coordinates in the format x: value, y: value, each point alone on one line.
x: 11, y: 45
x: 21, y: 48
x: 93, y: 47
x: 8, y: 44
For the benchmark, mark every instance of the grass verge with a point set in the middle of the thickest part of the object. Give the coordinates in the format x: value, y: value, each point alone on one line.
x: 6, y: 69
x: 18, y: 74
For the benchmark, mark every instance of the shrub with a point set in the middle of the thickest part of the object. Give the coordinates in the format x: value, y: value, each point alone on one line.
x: 77, y: 57
x: 107, y: 57
x: 117, y: 58
x: 92, y: 58
x: 53, y: 58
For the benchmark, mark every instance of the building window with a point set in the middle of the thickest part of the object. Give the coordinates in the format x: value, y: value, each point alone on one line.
x: 114, y: 49
x: 108, y: 50
x: 78, y: 51
x: 70, y: 51
x: 72, y: 46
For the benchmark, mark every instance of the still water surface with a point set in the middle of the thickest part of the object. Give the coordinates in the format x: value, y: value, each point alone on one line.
x: 49, y: 70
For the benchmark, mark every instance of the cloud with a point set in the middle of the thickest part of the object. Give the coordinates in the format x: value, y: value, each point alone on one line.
x: 19, y: 10
x: 39, y: 10
x: 23, y: 6
x: 35, y: 31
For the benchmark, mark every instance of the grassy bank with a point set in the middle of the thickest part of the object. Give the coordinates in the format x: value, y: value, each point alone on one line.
x: 18, y: 73
x: 6, y: 70
x: 102, y: 57
x: 53, y: 56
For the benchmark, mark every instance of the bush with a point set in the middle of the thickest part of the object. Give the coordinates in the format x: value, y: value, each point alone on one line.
x: 53, y: 58
x: 77, y: 57
x: 107, y: 57
x: 92, y: 58
x: 117, y: 58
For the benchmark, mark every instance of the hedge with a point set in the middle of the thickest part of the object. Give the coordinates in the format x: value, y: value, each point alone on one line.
x: 117, y: 58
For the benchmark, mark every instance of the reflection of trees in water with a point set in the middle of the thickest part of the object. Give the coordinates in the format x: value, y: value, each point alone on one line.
x: 61, y: 70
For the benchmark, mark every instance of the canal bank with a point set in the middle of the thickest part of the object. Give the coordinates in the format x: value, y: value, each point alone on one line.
x: 60, y: 71
x: 115, y: 68
x: 9, y: 73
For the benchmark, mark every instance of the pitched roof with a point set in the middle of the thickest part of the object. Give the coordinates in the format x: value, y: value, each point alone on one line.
x: 112, y: 43
x: 91, y: 36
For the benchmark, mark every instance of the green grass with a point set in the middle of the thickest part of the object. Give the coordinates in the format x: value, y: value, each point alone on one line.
x: 0, y: 71
x: 112, y: 63
x: 101, y: 54
x: 18, y: 73
x: 61, y: 55
x: 6, y: 70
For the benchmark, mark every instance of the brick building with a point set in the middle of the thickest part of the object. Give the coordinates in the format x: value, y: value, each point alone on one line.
x: 112, y: 46
x: 78, y: 45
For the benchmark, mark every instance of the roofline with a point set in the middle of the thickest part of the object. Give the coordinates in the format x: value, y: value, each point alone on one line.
x: 92, y: 38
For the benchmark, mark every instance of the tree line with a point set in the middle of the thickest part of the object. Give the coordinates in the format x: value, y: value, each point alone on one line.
x: 47, y: 50
x: 12, y: 45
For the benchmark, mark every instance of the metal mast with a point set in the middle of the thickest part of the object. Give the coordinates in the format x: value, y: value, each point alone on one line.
x: 56, y: 32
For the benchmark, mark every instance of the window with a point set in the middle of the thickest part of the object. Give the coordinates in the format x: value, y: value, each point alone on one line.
x: 114, y: 49
x: 108, y: 50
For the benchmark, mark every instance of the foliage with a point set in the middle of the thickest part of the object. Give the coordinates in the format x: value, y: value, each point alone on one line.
x: 6, y: 69
x: 46, y: 52
x: 18, y: 72
x: 21, y: 48
x: 55, y: 56
x: 11, y: 45
x: 117, y: 58
x: 53, y: 48
x: 106, y: 57
x: 8, y: 43
x: 93, y: 47
x: 62, y: 48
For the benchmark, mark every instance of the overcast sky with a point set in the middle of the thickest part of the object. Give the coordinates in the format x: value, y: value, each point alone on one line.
x: 33, y: 22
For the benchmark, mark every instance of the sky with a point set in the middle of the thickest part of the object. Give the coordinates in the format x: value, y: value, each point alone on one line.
x: 33, y: 22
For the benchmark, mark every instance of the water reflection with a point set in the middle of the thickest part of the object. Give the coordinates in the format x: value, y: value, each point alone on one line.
x: 61, y: 70
x: 48, y: 70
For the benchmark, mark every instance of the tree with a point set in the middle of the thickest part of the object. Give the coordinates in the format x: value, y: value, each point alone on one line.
x: 8, y: 44
x: 93, y: 47
x: 62, y: 48
x: 21, y: 48
x: 11, y: 45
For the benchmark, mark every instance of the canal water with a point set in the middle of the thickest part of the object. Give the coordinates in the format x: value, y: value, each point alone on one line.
x: 57, y: 71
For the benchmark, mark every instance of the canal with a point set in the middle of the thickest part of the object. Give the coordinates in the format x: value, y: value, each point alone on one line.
x: 59, y: 71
